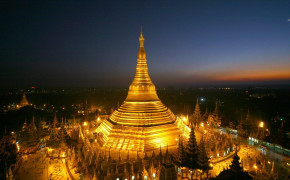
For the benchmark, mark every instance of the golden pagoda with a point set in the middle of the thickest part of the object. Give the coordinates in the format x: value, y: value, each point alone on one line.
x: 24, y: 101
x: 142, y: 122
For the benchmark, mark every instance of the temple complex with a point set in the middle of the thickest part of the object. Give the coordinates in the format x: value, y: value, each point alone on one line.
x: 142, y: 122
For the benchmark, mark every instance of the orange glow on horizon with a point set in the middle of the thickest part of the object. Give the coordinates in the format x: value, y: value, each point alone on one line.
x: 255, y: 77
x: 236, y: 72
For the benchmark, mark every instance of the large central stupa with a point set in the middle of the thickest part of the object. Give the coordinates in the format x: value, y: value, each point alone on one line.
x: 142, y: 121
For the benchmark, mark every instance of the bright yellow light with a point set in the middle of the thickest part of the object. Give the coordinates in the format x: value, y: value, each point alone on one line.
x: 255, y: 166
x: 210, y: 165
x: 201, y: 124
x: 158, y: 140
x: 184, y: 119
x: 205, y: 131
x: 49, y: 149
x: 99, y: 119
x: 269, y: 162
x: 85, y: 123
x: 18, y: 147
x: 261, y: 124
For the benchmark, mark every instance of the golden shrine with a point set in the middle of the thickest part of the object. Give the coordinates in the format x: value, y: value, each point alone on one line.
x: 24, y: 101
x: 142, y: 122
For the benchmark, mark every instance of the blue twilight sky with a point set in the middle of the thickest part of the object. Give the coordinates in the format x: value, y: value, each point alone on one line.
x: 188, y: 43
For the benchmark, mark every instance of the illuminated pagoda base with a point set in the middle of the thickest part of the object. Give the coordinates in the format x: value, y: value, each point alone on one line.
x: 142, y: 122
x: 122, y: 137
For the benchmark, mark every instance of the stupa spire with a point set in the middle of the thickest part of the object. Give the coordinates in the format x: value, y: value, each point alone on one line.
x: 24, y: 101
x: 141, y: 38
x: 197, y: 113
x: 54, y: 121
x: 142, y: 76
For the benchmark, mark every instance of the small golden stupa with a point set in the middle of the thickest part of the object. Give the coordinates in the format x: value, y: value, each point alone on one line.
x: 142, y: 122
x: 24, y: 101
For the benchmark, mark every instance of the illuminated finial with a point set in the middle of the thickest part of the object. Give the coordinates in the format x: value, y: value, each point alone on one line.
x: 141, y: 30
x: 141, y: 38
x: 141, y: 53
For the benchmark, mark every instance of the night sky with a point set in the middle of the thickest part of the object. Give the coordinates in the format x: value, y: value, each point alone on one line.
x: 193, y: 43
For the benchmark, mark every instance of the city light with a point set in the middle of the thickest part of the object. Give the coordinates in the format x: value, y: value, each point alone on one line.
x: 85, y: 123
x: 184, y: 119
x: 261, y: 124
